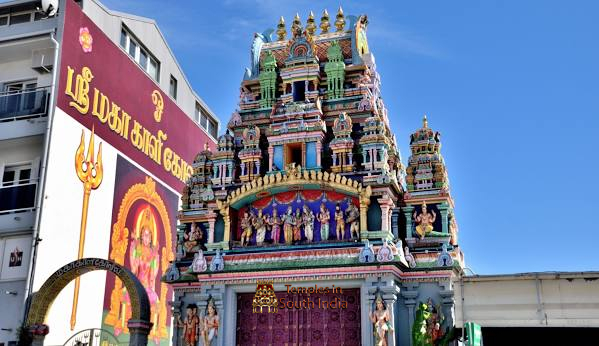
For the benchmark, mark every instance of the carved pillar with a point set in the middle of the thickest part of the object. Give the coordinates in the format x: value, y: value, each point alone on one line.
x: 138, y: 332
x: 363, y: 219
x: 407, y: 211
x: 389, y: 291
x: 225, y: 212
x: 271, y: 152
x: 318, y: 153
x: 211, y: 221
x: 257, y: 167
x: 386, y: 204
x: 447, y: 304
x: 443, y: 209
x: 334, y: 156
x: 351, y: 158
x: 176, y: 311
x: 410, y: 303
x: 372, y: 158
x: 242, y: 165
x: 395, y: 222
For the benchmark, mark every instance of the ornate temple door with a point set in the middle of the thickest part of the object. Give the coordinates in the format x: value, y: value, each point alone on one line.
x: 311, y: 325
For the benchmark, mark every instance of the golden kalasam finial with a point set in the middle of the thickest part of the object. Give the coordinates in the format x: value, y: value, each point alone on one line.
x: 90, y: 171
x: 325, y: 25
x: 424, y: 122
x: 296, y: 25
x: 340, y: 22
x: 310, y: 25
x: 281, y: 31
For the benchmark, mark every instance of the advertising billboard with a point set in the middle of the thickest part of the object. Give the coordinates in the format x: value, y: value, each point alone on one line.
x: 120, y: 152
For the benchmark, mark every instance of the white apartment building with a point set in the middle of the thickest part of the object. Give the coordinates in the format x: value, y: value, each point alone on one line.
x: 30, y: 41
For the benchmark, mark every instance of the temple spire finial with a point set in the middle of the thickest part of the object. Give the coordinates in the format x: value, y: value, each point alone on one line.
x: 310, y: 25
x: 424, y: 122
x: 296, y: 25
x: 281, y: 31
x: 340, y: 22
x: 324, y: 22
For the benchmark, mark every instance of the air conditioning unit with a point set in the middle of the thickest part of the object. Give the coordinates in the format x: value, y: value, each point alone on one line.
x: 43, y: 60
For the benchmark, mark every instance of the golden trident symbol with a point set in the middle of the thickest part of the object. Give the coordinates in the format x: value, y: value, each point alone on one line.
x: 90, y: 173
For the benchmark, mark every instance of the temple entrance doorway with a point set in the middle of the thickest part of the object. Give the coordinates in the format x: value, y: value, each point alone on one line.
x: 294, y: 154
x: 308, y: 324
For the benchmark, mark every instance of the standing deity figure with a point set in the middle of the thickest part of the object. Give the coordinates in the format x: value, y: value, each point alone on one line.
x: 210, y: 325
x: 144, y: 259
x: 381, y: 319
x: 191, y: 326
x: 297, y: 231
x: 308, y: 220
x: 288, y: 223
x: 246, y: 228
x: 353, y: 215
x: 340, y: 220
x: 193, y: 237
x: 324, y: 217
x: 259, y: 222
x: 275, y: 222
x: 425, y: 221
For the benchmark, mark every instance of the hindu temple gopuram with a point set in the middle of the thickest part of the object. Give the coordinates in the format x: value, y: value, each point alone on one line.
x: 304, y: 226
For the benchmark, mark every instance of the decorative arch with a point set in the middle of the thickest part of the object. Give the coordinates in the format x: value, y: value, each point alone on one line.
x: 139, y: 324
x: 290, y: 180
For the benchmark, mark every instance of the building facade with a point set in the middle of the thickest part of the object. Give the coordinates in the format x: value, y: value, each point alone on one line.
x: 304, y: 226
x: 32, y: 48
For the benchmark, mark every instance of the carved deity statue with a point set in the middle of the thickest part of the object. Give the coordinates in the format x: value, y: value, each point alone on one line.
x: 275, y: 222
x: 246, y: 228
x: 424, y: 221
x: 308, y: 221
x: 288, y: 223
x: 210, y: 325
x: 297, y: 231
x: 191, y: 326
x: 324, y: 217
x: 353, y: 218
x: 259, y: 222
x: 382, y: 322
x: 192, y: 238
x: 340, y: 220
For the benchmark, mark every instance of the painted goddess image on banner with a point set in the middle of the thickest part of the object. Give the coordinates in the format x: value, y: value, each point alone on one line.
x: 141, y: 240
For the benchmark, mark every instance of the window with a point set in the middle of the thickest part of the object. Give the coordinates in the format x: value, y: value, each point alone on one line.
x: 173, y: 87
x: 3, y: 20
x: 212, y: 128
x: 141, y: 55
x: 18, y: 18
x: 196, y: 115
x: 204, y: 121
x: 299, y: 91
x: 17, y: 174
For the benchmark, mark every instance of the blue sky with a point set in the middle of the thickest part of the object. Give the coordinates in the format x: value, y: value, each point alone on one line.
x: 513, y: 86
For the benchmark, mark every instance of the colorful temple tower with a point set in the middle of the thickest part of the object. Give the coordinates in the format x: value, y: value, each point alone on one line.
x: 307, y: 192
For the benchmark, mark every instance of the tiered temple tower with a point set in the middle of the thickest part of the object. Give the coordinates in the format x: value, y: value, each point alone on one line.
x: 307, y: 188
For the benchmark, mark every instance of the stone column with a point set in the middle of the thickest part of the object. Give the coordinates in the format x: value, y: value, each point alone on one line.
x: 334, y: 156
x: 211, y: 221
x: 395, y: 222
x: 138, y: 332
x: 271, y: 153
x: 386, y: 204
x: 350, y: 156
x: 410, y: 303
x: 216, y: 292
x: 318, y: 153
x: 447, y: 304
x: 176, y: 311
x: 407, y: 211
x: 372, y: 158
x: 443, y: 209
x: 257, y: 167
x: 242, y: 165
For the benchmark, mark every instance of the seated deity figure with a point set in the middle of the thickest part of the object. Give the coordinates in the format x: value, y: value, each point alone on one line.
x: 259, y: 222
x: 246, y: 228
x: 297, y: 231
x: 324, y: 217
x: 353, y: 216
x: 308, y: 221
x: 382, y: 322
x: 192, y: 238
x: 424, y: 221
x: 288, y: 223
x: 275, y: 223
x: 340, y: 220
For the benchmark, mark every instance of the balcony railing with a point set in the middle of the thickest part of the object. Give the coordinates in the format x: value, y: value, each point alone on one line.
x: 29, y: 103
x: 17, y: 197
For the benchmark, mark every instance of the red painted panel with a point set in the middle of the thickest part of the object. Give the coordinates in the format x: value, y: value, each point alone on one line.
x: 313, y: 326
